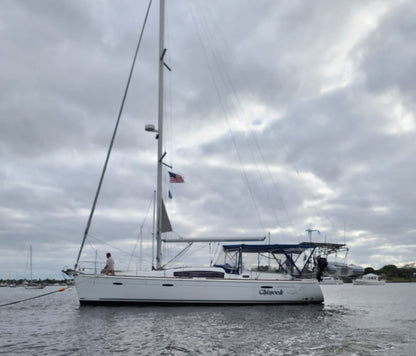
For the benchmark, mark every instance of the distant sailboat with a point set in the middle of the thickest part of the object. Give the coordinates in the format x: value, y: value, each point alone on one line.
x: 31, y: 284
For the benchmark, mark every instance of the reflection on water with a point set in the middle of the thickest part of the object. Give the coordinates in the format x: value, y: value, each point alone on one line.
x: 355, y: 320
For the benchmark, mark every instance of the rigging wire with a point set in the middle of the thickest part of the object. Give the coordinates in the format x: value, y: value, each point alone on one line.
x: 181, y: 253
x: 213, y: 252
x: 297, y: 170
x: 124, y: 252
x: 113, y: 137
x: 223, y: 106
x: 187, y: 251
x: 140, y: 232
x: 251, y: 139
x: 234, y: 102
x: 108, y: 244
x: 254, y: 142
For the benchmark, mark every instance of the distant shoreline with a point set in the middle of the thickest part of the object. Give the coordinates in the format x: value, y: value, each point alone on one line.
x: 45, y: 282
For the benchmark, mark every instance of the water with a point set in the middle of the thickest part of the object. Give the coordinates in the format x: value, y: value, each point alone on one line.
x: 355, y: 320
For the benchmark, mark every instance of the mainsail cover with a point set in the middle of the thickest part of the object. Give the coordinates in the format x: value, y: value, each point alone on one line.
x: 166, y: 226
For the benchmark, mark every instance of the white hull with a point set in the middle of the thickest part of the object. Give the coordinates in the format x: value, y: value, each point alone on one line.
x: 331, y: 281
x: 99, y: 289
x: 369, y: 280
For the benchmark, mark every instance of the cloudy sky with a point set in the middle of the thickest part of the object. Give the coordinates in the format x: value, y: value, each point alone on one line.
x: 280, y: 115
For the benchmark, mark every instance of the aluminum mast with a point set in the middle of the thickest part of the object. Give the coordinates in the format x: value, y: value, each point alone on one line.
x: 160, y: 139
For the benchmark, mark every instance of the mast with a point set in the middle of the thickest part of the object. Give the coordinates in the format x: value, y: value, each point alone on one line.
x: 30, y: 261
x: 153, y: 229
x: 160, y: 140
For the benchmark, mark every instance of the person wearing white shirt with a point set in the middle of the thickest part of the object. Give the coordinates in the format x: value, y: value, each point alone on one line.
x: 109, y: 267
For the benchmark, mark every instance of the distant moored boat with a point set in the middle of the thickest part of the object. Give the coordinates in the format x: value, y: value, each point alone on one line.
x: 369, y: 279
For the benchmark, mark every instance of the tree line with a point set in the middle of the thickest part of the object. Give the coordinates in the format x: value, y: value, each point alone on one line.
x: 392, y: 272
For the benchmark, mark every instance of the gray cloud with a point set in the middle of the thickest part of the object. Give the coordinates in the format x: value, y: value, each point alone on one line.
x: 278, y: 115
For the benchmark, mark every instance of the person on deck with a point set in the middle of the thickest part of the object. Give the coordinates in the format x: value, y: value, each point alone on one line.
x: 109, y: 267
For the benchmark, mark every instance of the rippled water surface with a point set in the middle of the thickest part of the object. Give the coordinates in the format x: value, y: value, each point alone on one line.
x: 354, y: 320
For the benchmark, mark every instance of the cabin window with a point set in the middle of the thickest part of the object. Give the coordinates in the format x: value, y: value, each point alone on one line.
x: 199, y: 274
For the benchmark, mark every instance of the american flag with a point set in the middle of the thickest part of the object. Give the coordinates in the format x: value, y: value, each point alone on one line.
x: 175, y: 178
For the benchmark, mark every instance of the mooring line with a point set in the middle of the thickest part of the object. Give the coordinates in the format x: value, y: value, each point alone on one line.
x: 38, y: 296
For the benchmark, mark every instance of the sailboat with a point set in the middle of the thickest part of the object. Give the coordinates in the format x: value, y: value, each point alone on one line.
x: 31, y: 284
x: 243, y: 273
